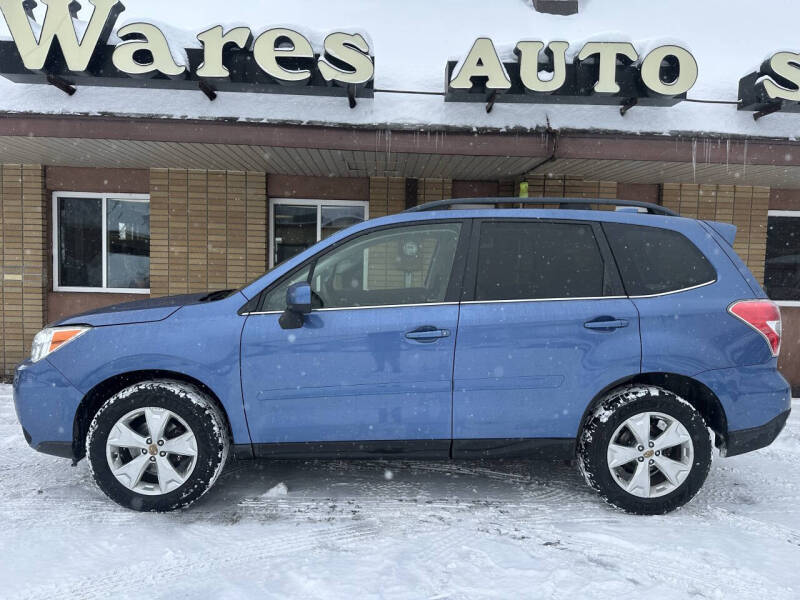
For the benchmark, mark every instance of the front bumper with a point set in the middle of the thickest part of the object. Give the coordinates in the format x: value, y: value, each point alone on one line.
x: 747, y: 440
x: 46, y: 404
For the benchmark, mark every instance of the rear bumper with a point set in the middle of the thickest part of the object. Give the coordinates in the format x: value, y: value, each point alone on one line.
x: 747, y: 440
x: 756, y: 400
x: 45, y: 403
x: 751, y: 395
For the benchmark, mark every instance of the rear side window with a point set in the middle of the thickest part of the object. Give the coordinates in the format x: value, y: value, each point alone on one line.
x: 527, y: 260
x: 654, y: 261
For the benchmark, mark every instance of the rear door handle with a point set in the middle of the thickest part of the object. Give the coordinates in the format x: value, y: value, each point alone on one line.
x: 606, y: 324
x: 427, y: 333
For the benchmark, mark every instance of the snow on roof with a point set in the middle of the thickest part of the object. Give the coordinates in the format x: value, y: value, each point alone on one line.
x: 413, y: 40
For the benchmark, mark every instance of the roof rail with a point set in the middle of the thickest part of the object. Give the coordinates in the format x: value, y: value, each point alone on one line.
x: 563, y: 203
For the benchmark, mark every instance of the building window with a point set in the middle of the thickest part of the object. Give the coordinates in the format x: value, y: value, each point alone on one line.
x: 782, y: 268
x: 299, y: 224
x: 101, y: 243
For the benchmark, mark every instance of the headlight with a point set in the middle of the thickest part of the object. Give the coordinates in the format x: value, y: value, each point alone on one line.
x: 51, y: 339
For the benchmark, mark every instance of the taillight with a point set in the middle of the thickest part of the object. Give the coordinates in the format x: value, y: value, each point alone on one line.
x: 762, y: 315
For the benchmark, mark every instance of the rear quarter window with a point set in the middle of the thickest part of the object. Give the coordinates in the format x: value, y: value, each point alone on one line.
x: 655, y: 261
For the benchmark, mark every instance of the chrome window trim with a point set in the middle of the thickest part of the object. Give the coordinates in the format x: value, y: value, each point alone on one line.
x: 543, y: 299
x: 278, y: 312
x: 694, y: 287
x: 386, y: 306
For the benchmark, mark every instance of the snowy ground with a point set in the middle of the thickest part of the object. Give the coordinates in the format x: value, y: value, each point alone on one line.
x: 398, y: 530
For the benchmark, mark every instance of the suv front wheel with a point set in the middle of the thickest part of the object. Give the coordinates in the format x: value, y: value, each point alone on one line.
x: 157, y: 445
x: 645, y: 450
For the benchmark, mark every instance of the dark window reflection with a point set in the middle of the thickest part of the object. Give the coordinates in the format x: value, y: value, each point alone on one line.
x: 519, y: 261
x: 295, y: 230
x: 335, y: 218
x: 128, y: 262
x: 782, y: 268
x: 655, y: 261
x: 80, y: 242
x: 300, y: 226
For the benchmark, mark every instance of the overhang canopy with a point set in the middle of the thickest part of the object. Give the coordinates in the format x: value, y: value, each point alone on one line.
x: 360, y: 152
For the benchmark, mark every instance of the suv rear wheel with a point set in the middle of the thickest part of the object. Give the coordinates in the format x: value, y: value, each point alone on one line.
x: 157, y: 445
x: 645, y: 450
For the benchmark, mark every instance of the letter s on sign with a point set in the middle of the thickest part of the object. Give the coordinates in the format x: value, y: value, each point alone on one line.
x: 785, y: 65
x: 348, y: 49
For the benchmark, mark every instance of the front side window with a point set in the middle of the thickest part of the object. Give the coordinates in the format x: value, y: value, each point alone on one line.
x: 299, y: 224
x: 101, y: 243
x: 400, y: 265
x: 539, y: 260
x: 655, y: 261
x: 395, y: 266
x: 782, y: 268
x: 275, y: 298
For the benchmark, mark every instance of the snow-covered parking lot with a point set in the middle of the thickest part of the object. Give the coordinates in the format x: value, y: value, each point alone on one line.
x: 398, y: 529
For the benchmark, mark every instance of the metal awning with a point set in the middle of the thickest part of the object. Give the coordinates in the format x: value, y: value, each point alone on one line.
x: 114, y: 142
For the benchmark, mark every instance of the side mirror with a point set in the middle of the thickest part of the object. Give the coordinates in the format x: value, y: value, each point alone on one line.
x: 298, y: 303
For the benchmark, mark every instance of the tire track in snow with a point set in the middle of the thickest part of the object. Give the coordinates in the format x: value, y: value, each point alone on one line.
x: 234, y: 556
x: 764, y: 528
x: 665, y: 566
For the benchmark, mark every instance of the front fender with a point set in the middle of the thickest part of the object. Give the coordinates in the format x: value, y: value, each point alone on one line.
x: 199, y: 341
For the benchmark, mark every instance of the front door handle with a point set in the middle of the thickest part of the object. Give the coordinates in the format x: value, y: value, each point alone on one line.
x: 606, y: 324
x: 427, y: 333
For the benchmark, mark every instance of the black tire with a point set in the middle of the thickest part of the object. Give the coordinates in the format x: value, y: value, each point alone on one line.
x: 614, y: 410
x: 190, y: 404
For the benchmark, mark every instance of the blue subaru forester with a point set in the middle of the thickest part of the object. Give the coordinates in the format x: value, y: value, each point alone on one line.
x: 633, y: 340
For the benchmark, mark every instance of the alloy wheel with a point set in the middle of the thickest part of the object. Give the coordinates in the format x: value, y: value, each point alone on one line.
x: 650, y: 454
x: 151, y: 450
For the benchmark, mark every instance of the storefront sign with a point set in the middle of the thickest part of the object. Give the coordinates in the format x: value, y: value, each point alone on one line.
x: 601, y: 73
x: 279, y: 60
x: 64, y: 52
x: 774, y: 87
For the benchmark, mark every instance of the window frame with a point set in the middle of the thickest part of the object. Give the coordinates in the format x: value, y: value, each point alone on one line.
x: 470, y: 282
x: 318, y: 204
x: 104, y: 198
x: 455, y: 285
x: 779, y: 213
